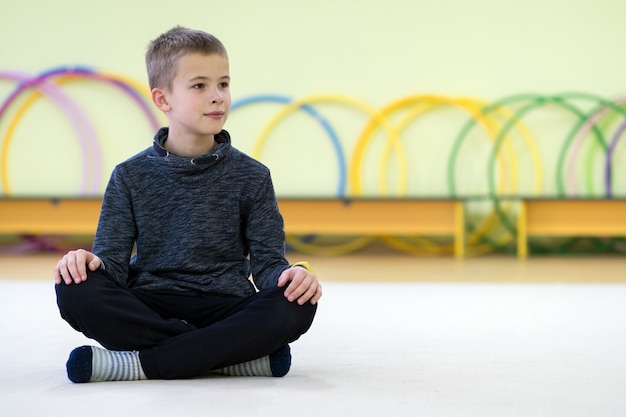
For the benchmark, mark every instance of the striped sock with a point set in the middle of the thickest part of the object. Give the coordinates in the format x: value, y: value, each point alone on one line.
x: 276, y: 364
x: 92, y: 364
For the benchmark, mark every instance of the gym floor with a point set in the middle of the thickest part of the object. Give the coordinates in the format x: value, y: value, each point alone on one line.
x: 395, y: 335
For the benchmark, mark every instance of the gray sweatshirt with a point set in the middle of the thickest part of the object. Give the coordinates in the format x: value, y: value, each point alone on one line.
x: 203, y: 225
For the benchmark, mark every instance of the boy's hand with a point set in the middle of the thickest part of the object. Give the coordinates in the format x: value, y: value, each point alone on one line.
x: 72, y: 268
x: 302, y: 285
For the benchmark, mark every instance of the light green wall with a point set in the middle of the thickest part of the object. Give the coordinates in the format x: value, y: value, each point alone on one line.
x: 372, y: 52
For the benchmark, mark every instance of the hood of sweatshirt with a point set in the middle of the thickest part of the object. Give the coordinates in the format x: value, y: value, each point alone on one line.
x: 175, y: 163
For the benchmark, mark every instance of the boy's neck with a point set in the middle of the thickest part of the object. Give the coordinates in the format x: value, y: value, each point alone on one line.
x: 190, y: 147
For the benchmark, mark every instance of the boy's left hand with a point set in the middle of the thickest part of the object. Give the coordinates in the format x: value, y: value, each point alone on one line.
x: 302, y: 285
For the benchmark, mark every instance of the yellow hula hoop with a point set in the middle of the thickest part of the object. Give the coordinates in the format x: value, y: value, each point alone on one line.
x: 360, y: 148
x: 6, y: 184
x: 419, y: 107
x: 424, y: 245
x: 431, y: 102
x: 472, y: 106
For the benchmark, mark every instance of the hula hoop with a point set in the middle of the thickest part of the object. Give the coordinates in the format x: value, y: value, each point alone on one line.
x: 419, y: 105
x: 304, y: 243
x: 496, y: 217
x: 609, y: 158
x: 536, y: 101
x: 585, y: 120
x: 63, y: 75
x: 598, y: 116
x: 576, y: 146
x: 304, y: 105
x: 73, y: 113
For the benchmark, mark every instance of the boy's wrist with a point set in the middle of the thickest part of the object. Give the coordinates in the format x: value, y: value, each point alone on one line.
x: 305, y: 265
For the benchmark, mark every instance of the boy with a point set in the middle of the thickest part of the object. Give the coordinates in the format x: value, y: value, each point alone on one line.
x: 201, y: 217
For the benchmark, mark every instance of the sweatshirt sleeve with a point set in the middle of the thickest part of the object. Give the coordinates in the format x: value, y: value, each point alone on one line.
x: 266, y: 237
x: 116, y: 232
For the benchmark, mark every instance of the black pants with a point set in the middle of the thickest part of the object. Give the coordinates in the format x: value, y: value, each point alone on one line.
x: 182, y: 335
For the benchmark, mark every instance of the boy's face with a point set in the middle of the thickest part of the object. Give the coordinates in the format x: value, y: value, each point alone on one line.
x: 198, y: 103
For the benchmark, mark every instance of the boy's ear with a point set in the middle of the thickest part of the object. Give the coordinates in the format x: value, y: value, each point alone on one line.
x: 160, y: 100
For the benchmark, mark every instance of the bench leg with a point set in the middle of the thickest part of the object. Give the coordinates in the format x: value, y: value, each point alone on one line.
x: 459, y: 230
x: 522, y: 233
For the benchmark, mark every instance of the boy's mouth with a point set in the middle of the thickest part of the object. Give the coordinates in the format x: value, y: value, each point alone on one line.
x: 215, y: 114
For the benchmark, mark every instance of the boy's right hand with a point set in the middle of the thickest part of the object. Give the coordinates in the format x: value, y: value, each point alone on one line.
x: 72, y: 268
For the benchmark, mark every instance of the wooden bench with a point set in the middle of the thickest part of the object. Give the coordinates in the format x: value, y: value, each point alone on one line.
x: 569, y: 217
x: 425, y: 217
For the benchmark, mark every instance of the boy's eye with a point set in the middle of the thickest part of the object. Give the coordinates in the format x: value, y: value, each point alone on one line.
x: 198, y: 86
x: 224, y: 84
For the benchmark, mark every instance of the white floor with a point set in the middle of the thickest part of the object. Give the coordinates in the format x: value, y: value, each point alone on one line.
x: 397, y: 349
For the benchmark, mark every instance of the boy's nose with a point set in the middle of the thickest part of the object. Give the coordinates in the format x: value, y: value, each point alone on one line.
x: 216, y: 96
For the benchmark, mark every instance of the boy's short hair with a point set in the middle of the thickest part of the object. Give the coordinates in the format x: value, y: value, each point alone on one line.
x: 164, y: 52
